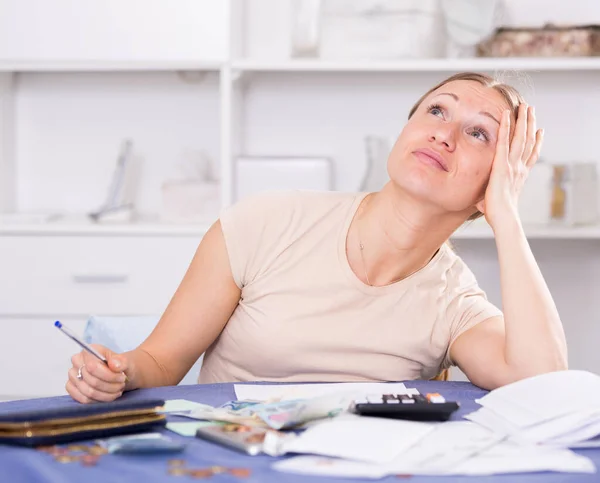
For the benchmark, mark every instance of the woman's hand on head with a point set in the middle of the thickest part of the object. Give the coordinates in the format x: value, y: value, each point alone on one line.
x: 91, y: 380
x: 511, y: 165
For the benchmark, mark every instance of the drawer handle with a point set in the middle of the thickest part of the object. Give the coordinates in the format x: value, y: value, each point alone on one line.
x: 100, y: 278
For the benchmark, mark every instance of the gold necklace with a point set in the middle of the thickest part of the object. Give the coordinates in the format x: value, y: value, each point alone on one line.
x: 362, y: 257
x: 361, y: 246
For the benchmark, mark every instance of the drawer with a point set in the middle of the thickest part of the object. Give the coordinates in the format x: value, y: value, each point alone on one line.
x: 35, y: 357
x: 87, y: 275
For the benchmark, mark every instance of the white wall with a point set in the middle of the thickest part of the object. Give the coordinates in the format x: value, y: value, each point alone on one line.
x: 92, y: 30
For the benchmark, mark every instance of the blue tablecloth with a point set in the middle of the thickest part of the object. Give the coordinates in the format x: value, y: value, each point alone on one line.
x: 26, y: 465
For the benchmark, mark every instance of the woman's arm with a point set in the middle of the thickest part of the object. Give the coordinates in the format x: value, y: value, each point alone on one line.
x: 535, y: 339
x: 530, y: 340
x: 200, y: 308
x: 196, y: 315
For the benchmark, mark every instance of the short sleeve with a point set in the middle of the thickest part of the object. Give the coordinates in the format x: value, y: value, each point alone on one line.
x: 467, y: 306
x: 249, y: 229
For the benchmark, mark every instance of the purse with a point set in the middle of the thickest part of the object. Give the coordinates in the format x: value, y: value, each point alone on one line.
x: 75, y: 423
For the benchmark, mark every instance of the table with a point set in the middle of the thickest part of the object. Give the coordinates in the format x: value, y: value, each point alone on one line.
x: 23, y: 465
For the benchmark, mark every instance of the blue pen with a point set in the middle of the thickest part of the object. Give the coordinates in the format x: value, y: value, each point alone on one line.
x: 59, y: 325
x: 86, y: 347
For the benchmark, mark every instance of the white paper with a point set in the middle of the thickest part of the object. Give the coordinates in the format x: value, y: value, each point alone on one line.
x: 375, y: 440
x: 575, y: 436
x: 441, y: 450
x: 565, y: 431
x: 492, y: 421
x: 590, y: 443
x: 501, y: 458
x: 272, y: 392
x: 558, y: 409
x: 173, y: 406
x: 507, y: 457
x: 188, y: 428
x: 541, y: 398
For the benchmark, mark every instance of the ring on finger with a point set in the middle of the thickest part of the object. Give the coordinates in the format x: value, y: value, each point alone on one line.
x: 79, y: 373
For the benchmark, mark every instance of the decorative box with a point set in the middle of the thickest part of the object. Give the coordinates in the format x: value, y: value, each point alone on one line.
x: 547, y: 41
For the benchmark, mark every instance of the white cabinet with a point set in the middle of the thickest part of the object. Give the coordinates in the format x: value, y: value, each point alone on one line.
x: 113, y: 30
x: 88, y: 275
x: 68, y: 278
x: 35, y: 356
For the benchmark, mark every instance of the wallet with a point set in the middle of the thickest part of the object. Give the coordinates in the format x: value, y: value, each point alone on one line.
x: 80, y: 422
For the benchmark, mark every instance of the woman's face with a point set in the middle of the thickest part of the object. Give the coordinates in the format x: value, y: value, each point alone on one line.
x: 444, y: 153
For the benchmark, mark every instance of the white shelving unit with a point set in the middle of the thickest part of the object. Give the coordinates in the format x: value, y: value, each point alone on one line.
x: 242, y: 75
x: 108, y: 66
x: 62, y: 115
x: 422, y: 65
x: 553, y: 232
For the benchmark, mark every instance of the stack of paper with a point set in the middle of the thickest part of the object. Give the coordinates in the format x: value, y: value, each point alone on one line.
x: 453, y: 448
x: 560, y: 409
x: 374, y: 440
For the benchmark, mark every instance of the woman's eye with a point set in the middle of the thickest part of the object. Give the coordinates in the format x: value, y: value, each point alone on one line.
x: 436, y: 110
x: 479, y: 134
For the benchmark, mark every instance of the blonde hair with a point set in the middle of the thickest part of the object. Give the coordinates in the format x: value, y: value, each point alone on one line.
x: 512, y: 97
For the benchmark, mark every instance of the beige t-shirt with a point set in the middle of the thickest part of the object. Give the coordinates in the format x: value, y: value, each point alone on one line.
x: 305, y: 316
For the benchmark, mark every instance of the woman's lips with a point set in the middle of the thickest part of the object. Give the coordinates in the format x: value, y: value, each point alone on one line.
x: 432, y: 158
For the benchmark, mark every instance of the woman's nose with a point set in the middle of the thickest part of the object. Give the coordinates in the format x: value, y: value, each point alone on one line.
x: 444, y: 135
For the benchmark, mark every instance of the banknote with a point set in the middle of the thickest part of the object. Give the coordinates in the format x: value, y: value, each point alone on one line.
x: 276, y: 415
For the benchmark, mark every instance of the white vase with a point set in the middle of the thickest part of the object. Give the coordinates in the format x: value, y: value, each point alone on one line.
x: 377, y: 151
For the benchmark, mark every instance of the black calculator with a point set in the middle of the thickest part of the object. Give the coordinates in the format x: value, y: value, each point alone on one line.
x: 415, y: 407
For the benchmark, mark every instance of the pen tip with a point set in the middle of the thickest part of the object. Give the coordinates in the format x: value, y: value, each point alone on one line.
x: 57, y: 324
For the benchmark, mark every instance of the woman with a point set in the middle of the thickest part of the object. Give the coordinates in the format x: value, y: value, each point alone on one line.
x: 355, y: 287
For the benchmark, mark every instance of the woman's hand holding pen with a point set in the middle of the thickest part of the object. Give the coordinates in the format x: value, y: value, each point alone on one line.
x: 91, y: 380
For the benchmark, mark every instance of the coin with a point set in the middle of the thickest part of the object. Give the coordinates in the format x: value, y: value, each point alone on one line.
x: 46, y: 449
x: 255, y: 438
x: 89, y: 460
x: 200, y: 473
x: 77, y: 447
x: 218, y: 469
x: 97, y: 450
x: 65, y: 458
x: 177, y: 471
x: 240, y: 472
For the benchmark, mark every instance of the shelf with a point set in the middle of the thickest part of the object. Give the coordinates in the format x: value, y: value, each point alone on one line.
x: 422, y: 65
x: 476, y: 231
x: 114, y: 229
x: 314, y: 66
x: 108, y: 66
x: 480, y: 231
